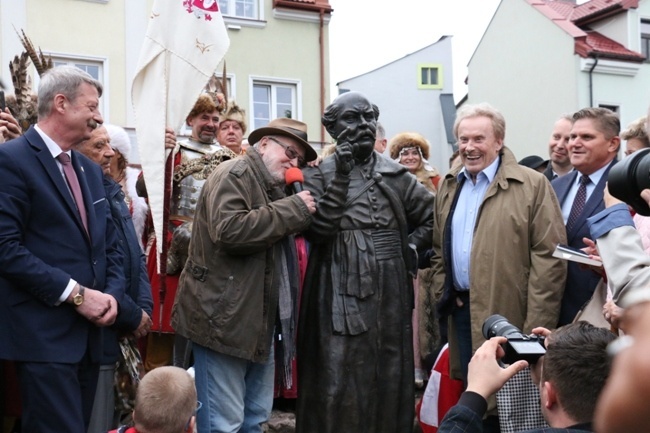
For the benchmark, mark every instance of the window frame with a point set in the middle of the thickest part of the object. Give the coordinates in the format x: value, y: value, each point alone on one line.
x: 645, y: 39
x: 423, y: 66
x: 256, y: 21
x: 103, y: 72
x: 613, y: 107
x: 275, y: 82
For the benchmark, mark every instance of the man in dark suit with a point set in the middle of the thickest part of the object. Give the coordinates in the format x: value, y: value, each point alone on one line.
x: 593, y: 145
x: 60, y: 270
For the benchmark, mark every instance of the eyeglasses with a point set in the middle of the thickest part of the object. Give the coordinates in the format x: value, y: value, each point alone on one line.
x: 290, y: 152
x: 199, y: 405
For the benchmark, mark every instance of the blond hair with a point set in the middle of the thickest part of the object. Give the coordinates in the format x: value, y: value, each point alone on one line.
x: 165, y: 401
x: 637, y: 129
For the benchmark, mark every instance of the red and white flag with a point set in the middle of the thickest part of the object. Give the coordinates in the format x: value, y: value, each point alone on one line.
x: 185, y: 42
x: 441, y: 394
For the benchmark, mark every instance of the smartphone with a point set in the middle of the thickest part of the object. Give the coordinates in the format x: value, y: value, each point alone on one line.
x: 3, y: 103
x: 566, y: 252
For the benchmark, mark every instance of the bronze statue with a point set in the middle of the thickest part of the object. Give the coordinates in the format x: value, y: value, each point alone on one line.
x: 355, y: 359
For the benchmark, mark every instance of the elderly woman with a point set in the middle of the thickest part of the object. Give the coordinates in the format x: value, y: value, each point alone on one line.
x: 411, y: 150
x: 127, y: 177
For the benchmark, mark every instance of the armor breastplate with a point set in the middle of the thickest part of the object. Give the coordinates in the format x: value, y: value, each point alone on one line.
x: 186, y: 191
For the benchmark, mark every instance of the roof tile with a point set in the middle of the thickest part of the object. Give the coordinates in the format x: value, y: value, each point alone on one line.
x: 597, y: 44
x: 568, y: 16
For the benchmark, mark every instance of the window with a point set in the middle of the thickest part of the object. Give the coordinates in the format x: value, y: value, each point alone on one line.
x: 240, y: 8
x: 610, y: 107
x: 430, y: 76
x: 92, y: 69
x: 95, y: 68
x: 271, y: 100
x: 645, y: 39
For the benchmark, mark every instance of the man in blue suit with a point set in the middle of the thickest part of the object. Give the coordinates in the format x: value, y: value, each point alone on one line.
x: 60, y: 270
x: 593, y: 145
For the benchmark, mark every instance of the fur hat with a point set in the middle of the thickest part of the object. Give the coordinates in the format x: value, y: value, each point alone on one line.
x: 233, y: 112
x: 288, y: 128
x: 205, y: 104
x: 408, y: 139
x: 120, y: 140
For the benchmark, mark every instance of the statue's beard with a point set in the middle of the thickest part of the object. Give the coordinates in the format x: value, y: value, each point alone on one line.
x: 362, y: 151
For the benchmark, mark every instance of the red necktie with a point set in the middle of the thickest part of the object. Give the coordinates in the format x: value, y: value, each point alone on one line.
x: 73, y: 183
x: 578, y: 202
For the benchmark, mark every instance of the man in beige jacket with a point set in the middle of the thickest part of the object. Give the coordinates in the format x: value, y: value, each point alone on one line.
x: 496, y: 225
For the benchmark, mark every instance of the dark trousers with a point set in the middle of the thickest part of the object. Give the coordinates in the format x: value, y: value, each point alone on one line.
x: 463, y: 326
x: 57, y: 397
x: 3, y: 391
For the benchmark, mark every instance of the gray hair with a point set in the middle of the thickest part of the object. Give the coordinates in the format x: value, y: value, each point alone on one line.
x: 64, y: 80
x: 482, y: 110
x: 381, y: 132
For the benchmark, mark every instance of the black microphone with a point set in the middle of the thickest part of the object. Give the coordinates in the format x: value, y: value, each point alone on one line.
x: 294, y: 178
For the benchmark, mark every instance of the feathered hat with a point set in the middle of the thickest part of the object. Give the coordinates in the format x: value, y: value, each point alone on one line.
x: 234, y: 112
x: 24, y: 103
x: 214, y: 96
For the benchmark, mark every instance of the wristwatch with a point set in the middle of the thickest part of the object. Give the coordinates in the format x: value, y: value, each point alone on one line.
x: 78, y: 299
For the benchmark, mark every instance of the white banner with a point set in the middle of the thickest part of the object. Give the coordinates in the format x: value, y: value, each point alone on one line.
x: 185, y: 42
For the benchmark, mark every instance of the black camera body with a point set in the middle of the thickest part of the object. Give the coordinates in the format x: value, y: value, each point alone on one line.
x: 519, y: 345
x: 628, y: 177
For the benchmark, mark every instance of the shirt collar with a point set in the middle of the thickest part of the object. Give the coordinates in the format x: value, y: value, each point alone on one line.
x: 489, y: 172
x: 595, y: 176
x: 54, y: 148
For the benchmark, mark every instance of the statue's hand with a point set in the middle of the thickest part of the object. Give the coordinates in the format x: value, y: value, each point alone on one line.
x: 344, y: 158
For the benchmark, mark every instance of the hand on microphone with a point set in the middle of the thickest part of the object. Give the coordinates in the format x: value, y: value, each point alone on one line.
x: 294, y: 178
x: 309, y: 200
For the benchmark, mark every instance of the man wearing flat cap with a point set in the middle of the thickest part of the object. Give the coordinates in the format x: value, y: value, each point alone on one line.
x: 241, y: 271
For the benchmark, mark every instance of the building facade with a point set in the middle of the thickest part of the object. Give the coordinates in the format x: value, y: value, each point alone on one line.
x: 277, y: 64
x: 415, y: 94
x: 539, y: 59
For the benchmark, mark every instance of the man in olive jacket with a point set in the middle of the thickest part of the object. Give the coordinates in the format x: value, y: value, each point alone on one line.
x: 240, y: 274
x: 496, y: 225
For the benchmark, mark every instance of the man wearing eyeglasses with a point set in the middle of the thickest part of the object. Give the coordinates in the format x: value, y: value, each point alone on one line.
x: 241, y: 274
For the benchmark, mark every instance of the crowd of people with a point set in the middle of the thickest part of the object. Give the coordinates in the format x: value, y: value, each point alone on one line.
x: 342, y: 276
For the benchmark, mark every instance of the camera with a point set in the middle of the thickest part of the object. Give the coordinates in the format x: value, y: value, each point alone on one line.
x: 628, y: 177
x: 519, y: 345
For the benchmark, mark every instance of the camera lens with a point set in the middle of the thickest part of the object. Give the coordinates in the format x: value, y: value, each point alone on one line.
x: 629, y: 177
x: 498, y: 326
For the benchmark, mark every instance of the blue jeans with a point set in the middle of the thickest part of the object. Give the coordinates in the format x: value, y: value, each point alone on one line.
x: 237, y: 394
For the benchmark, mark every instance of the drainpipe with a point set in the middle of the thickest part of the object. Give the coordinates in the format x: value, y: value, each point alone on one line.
x: 591, y: 81
x: 321, y: 43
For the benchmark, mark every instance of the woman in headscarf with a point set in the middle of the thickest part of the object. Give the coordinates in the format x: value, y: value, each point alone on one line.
x: 411, y: 150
